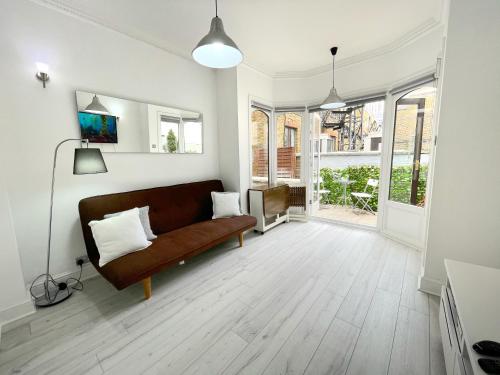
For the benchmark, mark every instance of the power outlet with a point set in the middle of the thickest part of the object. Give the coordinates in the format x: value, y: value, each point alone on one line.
x: 83, y: 258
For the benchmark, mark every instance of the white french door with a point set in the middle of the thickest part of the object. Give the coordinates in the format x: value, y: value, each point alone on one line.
x: 314, y: 163
x: 407, y: 164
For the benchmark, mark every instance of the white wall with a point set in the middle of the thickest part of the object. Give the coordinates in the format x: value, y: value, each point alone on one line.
x: 378, y: 73
x: 88, y: 57
x: 14, y: 301
x: 465, y: 209
x: 227, y: 118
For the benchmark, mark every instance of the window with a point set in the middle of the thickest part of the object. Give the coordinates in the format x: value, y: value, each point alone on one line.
x: 375, y: 143
x: 260, y: 145
x: 169, y: 135
x: 411, y: 146
x: 290, y: 134
x: 193, y: 137
x: 275, y: 142
x: 288, y: 131
x: 180, y: 135
x: 328, y: 145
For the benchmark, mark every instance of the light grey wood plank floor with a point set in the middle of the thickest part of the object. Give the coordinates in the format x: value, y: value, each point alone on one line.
x: 305, y: 298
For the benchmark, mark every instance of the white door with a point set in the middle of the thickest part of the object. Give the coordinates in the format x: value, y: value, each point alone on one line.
x: 314, y: 180
x: 407, y: 164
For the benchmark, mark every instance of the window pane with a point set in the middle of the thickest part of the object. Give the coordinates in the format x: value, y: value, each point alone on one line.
x: 169, y: 137
x: 260, y: 146
x: 288, y: 132
x: 193, y: 137
x: 411, y: 146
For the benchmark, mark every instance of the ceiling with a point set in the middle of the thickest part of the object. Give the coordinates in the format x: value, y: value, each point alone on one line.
x: 277, y: 37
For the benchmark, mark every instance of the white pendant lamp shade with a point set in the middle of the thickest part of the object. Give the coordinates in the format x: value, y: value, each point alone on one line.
x: 333, y: 100
x: 217, y: 49
x: 96, y: 107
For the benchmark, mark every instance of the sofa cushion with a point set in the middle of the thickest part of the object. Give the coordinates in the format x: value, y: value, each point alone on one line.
x: 225, y: 204
x: 119, y: 235
x: 143, y: 216
x: 172, y: 247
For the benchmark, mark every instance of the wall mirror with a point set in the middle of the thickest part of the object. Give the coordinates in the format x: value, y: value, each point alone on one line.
x: 121, y: 125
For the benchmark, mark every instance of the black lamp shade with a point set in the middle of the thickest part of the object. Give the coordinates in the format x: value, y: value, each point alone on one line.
x: 88, y: 161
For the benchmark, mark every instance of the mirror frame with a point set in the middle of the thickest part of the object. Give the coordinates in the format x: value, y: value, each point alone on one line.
x: 201, y: 117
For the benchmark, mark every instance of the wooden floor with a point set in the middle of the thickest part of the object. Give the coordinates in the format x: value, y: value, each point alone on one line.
x: 305, y: 298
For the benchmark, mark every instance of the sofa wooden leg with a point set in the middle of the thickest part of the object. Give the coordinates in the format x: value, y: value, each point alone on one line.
x: 146, y: 283
x: 240, y: 237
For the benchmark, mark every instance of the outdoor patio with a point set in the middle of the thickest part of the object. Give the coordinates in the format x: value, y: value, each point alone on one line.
x: 346, y: 214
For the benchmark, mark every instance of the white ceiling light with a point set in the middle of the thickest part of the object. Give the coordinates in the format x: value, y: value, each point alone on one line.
x: 216, y: 49
x: 333, y: 100
x: 96, y: 106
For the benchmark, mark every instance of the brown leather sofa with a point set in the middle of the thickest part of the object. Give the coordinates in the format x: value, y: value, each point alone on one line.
x: 181, y: 217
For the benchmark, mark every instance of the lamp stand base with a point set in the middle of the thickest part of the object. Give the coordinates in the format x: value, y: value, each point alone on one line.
x: 53, y: 296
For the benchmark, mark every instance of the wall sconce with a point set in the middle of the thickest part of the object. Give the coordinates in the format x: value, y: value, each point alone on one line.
x: 42, y: 72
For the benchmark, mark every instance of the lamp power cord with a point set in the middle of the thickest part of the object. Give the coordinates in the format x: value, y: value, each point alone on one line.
x: 71, y: 282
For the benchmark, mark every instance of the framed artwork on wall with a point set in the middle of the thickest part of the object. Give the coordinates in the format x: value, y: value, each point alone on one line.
x: 98, y: 128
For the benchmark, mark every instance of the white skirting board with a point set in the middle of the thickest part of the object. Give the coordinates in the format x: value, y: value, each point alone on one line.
x: 15, y: 313
x: 20, y: 314
x: 405, y: 241
x: 430, y: 286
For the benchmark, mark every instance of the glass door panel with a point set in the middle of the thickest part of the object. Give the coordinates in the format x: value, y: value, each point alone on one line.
x: 412, y: 141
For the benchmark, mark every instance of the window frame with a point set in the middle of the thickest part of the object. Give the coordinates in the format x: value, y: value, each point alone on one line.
x: 269, y: 115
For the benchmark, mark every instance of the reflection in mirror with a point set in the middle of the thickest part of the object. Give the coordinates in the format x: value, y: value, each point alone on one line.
x: 120, y: 125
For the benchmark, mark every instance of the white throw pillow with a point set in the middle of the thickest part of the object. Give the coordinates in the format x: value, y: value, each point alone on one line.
x: 226, y: 204
x: 144, y: 217
x: 118, y: 235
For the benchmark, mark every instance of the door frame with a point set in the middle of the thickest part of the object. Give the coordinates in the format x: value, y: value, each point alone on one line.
x: 385, y: 205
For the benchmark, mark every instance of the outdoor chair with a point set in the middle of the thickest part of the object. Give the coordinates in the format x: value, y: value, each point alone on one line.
x: 362, y: 199
x: 324, y: 193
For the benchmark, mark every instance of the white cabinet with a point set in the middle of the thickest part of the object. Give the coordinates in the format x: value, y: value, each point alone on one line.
x: 446, y: 338
x: 269, y: 204
x: 467, y: 315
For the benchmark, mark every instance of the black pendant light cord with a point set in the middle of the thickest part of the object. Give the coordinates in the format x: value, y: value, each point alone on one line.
x: 333, y: 50
x: 216, y: 8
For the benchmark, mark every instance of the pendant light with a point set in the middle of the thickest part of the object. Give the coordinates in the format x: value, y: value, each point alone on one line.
x: 96, y: 107
x: 333, y: 100
x: 216, y: 49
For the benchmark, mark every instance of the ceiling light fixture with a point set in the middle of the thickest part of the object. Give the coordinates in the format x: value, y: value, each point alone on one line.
x: 333, y: 100
x: 96, y: 107
x: 217, y: 49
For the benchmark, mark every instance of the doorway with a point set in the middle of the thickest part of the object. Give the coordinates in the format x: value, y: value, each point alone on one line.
x: 409, y: 161
x: 345, y: 162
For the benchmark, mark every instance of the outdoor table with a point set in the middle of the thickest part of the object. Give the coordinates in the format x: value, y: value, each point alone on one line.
x: 324, y: 192
x: 345, y: 181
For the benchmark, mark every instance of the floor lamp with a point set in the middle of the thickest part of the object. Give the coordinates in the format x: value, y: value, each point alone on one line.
x: 86, y: 161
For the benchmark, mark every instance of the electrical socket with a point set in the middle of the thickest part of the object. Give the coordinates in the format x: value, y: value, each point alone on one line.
x: 83, y: 258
